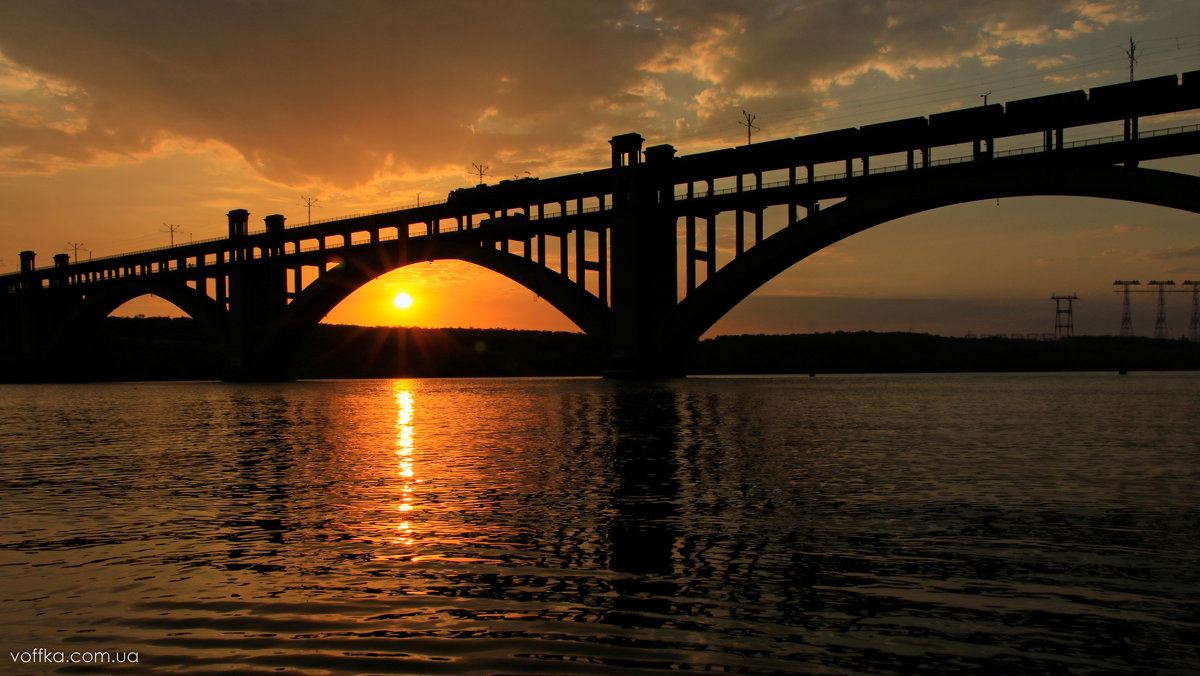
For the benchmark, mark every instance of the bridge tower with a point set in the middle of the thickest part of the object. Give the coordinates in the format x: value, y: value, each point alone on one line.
x: 256, y: 295
x: 28, y: 337
x: 1126, y: 315
x: 1064, y: 317
x: 1160, y: 320
x: 643, y: 268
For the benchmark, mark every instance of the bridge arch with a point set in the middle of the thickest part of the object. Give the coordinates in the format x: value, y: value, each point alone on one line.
x: 94, y: 307
x: 355, y: 270
x: 872, y: 206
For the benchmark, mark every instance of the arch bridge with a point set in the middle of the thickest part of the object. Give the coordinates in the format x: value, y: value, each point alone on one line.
x: 605, y: 247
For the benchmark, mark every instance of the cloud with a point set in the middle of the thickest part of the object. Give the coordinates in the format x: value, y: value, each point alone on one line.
x: 338, y: 92
x: 1172, y: 254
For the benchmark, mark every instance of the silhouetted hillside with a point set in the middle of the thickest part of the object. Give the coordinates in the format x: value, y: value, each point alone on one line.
x: 335, y: 351
x: 867, y: 352
x: 176, y: 349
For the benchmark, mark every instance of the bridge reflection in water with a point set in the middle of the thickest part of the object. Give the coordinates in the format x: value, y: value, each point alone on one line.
x: 601, y: 246
x: 1007, y: 523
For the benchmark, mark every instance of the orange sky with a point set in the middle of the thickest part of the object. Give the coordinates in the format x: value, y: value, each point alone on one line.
x: 118, y: 119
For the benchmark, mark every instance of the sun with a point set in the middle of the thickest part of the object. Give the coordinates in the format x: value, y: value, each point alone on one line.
x: 402, y: 301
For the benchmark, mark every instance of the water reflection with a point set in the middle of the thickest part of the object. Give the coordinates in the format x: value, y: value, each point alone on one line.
x: 549, y: 526
x: 643, y: 532
x: 404, y: 463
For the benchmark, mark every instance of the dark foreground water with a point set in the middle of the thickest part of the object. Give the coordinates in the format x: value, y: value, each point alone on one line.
x: 870, y: 524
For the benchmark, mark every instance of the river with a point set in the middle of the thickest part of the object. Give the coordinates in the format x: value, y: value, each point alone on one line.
x: 967, y: 523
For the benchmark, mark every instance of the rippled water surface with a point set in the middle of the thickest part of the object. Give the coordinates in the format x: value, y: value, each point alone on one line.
x: 868, y: 524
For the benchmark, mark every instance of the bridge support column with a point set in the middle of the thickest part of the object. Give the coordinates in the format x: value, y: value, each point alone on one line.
x: 643, y: 285
x: 22, y: 360
x: 257, y: 296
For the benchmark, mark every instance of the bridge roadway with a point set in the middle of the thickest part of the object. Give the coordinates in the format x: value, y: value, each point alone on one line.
x: 603, y: 246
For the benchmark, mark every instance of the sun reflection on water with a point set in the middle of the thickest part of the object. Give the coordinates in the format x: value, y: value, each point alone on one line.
x: 404, y: 463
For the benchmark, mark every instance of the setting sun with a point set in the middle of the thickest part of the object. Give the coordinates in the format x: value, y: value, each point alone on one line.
x: 402, y: 301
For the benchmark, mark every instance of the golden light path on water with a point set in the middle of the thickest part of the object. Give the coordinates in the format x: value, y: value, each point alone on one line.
x: 876, y: 524
x: 404, y: 463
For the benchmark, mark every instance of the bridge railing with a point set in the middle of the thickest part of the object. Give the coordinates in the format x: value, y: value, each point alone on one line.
x: 960, y: 159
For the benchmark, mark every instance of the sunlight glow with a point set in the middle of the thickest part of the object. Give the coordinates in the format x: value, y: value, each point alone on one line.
x: 402, y: 301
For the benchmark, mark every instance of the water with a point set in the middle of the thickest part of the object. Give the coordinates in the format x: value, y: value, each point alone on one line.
x: 835, y: 525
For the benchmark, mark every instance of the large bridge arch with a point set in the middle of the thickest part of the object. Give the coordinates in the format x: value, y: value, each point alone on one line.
x: 87, y: 314
x: 315, y: 301
x: 870, y: 206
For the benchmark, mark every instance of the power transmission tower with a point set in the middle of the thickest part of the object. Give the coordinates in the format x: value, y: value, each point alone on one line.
x: 748, y: 123
x: 1064, y: 318
x: 1160, y: 321
x: 1193, y: 333
x: 171, y: 228
x: 76, y: 246
x: 1132, y: 59
x: 1126, y: 316
x: 481, y: 170
x: 309, y: 203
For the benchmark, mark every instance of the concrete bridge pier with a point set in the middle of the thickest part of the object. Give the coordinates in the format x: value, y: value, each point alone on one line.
x: 30, y: 319
x: 22, y: 358
x: 257, y: 298
x: 643, y: 284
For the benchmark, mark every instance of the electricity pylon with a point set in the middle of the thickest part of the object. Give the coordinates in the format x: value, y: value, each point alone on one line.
x: 1126, y: 315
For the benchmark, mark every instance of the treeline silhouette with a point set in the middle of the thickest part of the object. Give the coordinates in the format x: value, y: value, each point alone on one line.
x: 159, y: 348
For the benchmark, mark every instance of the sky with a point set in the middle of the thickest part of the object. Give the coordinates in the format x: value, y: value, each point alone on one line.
x: 123, y: 121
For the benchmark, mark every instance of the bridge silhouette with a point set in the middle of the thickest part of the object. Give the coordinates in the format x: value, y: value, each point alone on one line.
x: 603, y: 247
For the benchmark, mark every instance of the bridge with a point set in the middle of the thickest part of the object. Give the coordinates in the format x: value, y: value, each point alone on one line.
x: 605, y: 247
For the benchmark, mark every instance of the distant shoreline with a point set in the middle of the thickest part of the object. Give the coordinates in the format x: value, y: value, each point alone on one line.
x: 159, y: 348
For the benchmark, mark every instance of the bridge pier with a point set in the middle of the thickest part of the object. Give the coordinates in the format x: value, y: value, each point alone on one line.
x: 21, y: 336
x: 32, y: 314
x: 643, y: 269
x: 257, y: 295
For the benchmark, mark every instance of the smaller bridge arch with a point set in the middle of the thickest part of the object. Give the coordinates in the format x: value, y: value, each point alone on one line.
x: 79, y: 320
x: 356, y: 269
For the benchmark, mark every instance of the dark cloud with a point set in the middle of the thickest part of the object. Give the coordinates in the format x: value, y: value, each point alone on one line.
x: 322, y: 89
x: 335, y: 91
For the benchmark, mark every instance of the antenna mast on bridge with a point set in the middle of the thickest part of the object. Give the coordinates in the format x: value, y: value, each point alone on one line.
x: 1126, y: 316
x: 1064, y: 318
x: 748, y: 124
x: 1132, y: 59
x: 76, y: 246
x: 171, y: 229
x: 309, y: 203
x: 481, y: 169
